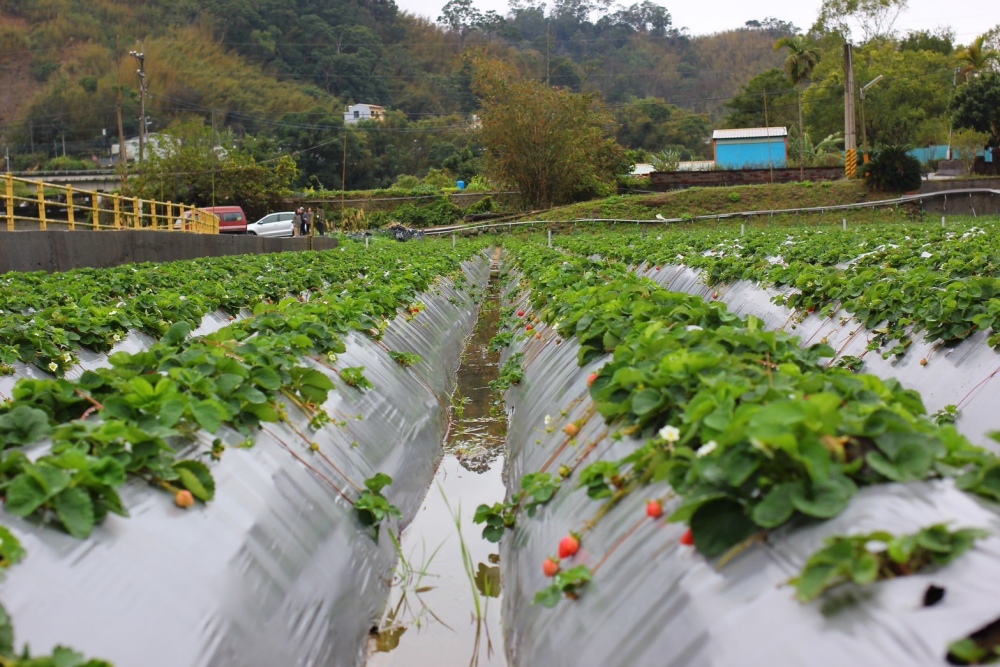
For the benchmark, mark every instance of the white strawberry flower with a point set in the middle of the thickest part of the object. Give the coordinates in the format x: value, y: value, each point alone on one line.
x: 670, y: 433
x: 53, y: 367
x: 116, y: 338
x: 707, y: 448
x: 548, y: 419
x: 67, y: 358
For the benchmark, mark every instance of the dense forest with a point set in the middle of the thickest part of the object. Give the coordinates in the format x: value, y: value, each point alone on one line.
x: 277, y: 74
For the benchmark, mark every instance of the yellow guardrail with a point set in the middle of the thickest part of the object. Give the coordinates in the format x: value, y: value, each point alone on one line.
x: 33, y: 205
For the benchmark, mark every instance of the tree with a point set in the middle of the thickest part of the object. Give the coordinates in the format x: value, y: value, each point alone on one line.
x: 906, y: 108
x: 875, y: 17
x: 747, y: 108
x: 940, y: 41
x: 551, y: 145
x: 977, y: 58
x: 977, y: 106
x: 799, y: 65
x: 967, y: 145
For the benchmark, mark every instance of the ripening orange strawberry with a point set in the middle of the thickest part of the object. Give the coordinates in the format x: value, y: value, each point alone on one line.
x: 184, y: 499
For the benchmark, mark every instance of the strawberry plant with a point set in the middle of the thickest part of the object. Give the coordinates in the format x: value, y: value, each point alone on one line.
x: 372, y: 508
x: 865, y: 559
x: 61, y: 656
x: 355, y: 377
x: 510, y: 374
x: 567, y: 582
x: 405, y: 359
x: 752, y: 430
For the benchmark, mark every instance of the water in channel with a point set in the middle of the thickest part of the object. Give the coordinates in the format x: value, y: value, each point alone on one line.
x: 444, y: 608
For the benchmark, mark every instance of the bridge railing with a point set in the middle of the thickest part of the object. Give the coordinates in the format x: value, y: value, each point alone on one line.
x: 33, y: 205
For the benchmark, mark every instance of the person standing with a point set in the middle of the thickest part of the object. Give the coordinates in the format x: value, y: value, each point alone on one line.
x: 307, y: 219
x: 320, y: 222
x: 297, y: 222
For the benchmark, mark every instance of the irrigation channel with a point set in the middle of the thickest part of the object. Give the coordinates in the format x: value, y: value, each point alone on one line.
x: 444, y: 606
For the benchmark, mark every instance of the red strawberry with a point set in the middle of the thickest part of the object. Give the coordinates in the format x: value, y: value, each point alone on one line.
x: 571, y: 429
x: 687, y: 539
x: 568, y: 546
x: 520, y: 313
x: 654, y: 509
x: 591, y: 378
x: 529, y: 328
x: 550, y: 567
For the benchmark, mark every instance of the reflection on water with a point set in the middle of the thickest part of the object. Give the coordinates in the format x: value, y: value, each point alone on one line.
x: 444, y: 608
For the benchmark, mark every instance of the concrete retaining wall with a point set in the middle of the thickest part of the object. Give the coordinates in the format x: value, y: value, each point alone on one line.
x: 673, y: 180
x: 62, y: 251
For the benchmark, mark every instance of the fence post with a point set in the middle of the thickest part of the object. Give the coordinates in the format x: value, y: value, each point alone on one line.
x: 453, y: 240
x: 69, y: 208
x: 845, y: 224
x: 10, y: 202
x: 95, y: 200
x: 118, y: 211
x: 550, y: 238
x: 137, y: 213
x: 42, y: 223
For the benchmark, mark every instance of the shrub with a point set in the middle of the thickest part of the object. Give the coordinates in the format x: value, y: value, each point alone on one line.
x: 439, y: 212
x: 892, y: 170
x: 485, y: 205
x: 406, y: 182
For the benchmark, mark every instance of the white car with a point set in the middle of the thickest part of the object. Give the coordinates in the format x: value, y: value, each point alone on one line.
x: 273, y: 224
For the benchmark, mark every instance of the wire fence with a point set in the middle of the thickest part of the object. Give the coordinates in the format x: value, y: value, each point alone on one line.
x: 29, y: 205
x: 660, y: 220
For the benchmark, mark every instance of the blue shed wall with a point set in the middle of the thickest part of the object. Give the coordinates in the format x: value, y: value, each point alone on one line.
x: 745, y: 153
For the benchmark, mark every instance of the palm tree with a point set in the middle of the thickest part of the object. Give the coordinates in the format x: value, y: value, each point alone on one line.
x: 799, y: 65
x: 976, y: 58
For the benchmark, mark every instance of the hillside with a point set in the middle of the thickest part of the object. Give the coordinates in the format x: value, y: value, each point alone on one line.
x: 245, y: 65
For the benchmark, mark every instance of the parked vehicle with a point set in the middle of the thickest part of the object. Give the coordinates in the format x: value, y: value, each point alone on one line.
x: 232, y: 219
x: 273, y: 224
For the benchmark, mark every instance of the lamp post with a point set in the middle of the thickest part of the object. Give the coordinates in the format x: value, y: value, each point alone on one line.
x: 864, y: 130
x: 140, y: 58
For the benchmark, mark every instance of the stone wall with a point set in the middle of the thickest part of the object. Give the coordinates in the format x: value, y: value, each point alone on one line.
x: 674, y: 180
x: 62, y: 251
x: 961, y: 204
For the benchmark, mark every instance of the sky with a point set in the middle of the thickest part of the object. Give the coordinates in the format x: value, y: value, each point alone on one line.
x: 968, y: 18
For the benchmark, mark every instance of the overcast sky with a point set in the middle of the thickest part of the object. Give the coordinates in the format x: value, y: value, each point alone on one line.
x: 968, y: 18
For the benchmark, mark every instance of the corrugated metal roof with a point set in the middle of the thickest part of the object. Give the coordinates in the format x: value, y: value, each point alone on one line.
x: 750, y: 133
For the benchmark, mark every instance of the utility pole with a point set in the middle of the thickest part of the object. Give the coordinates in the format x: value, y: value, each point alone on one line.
x: 548, y: 78
x: 140, y: 58
x: 122, y: 158
x: 954, y: 84
x: 864, y: 129
x: 850, y: 126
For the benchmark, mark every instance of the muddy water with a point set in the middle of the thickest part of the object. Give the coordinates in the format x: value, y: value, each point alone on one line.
x: 444, y: 609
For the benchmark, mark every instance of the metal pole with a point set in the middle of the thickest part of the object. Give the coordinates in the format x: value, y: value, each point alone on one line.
x: 845, y: 224
x: 850, y: 126
x: 550, y: 238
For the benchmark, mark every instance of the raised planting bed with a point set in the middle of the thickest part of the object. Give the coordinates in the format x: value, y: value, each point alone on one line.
x: 687, y: 475
x: 228, y: 499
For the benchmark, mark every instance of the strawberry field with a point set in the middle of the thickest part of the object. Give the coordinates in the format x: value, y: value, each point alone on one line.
x: 719, y: 447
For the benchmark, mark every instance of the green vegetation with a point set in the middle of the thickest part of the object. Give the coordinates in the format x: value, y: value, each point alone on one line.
x: 750, y: 430
x: 865, y: 559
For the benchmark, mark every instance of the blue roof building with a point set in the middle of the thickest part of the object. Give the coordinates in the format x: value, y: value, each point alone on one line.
x: 751, y: 147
